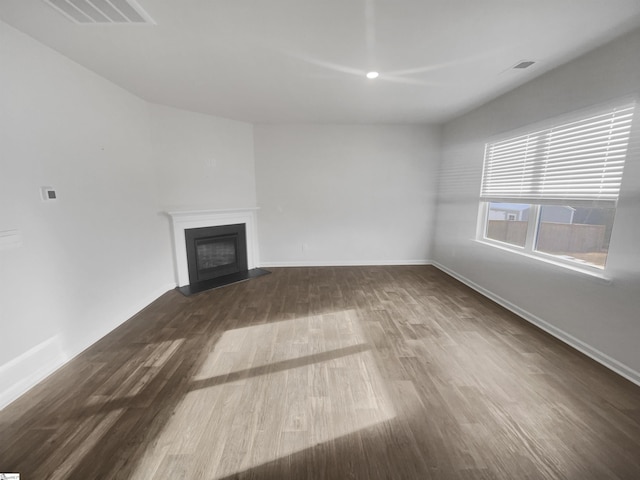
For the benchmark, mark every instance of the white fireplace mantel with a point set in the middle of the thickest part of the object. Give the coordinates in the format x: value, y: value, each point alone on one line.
x: 183, y: 220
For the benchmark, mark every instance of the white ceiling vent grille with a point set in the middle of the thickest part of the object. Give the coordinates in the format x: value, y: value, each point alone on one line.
x: 102, y: 11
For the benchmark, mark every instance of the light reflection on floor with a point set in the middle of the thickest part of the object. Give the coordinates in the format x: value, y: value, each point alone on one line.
x: 267, y: 391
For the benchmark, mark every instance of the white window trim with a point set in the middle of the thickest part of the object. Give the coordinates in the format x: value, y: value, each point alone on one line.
x: 599, y: 275
x: 529, y: 250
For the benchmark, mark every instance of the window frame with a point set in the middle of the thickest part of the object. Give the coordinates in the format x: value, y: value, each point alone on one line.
x: 533, y: 221
x: 531, y: 240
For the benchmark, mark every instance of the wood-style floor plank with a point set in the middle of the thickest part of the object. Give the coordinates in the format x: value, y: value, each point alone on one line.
x: 327, y: 373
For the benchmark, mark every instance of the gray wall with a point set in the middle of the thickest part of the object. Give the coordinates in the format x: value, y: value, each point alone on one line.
x: 202, y: 161
x: 101, y: 252
x: 345, y: 194
x: 600, y: 317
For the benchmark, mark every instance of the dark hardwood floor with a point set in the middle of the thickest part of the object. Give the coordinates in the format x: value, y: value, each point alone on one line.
x: 327, y: 373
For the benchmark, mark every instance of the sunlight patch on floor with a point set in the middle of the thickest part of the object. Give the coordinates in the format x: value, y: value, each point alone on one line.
x: 268, y: 391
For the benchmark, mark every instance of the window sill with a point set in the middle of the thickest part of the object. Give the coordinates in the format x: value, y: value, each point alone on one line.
x: 588, y: 272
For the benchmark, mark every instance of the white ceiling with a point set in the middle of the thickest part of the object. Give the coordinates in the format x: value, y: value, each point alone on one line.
x: 305, y: 60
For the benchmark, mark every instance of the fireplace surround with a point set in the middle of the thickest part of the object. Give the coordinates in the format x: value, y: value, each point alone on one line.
x: 182, y: 221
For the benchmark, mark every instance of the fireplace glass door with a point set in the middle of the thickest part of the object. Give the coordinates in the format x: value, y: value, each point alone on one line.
x: 215, y: 251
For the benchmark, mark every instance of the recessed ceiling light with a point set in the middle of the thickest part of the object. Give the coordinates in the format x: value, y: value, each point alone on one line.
x: 372, y: 75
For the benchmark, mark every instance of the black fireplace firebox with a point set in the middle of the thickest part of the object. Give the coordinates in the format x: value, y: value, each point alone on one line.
x: 214, y: 252
x: 216, y: 257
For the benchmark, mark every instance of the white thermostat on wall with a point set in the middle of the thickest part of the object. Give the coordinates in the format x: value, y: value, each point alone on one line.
x: 48, y: 194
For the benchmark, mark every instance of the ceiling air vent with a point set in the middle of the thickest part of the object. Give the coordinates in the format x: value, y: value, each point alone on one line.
x: 102, y: 11
x: 524, y: 64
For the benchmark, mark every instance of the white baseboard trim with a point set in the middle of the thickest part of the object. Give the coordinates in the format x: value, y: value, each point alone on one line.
x: 343, y: 263
x: 602, y: 358
x: 22, y: 373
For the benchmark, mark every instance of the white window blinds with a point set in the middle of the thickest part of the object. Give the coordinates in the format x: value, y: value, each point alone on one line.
x: 577, y: 162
